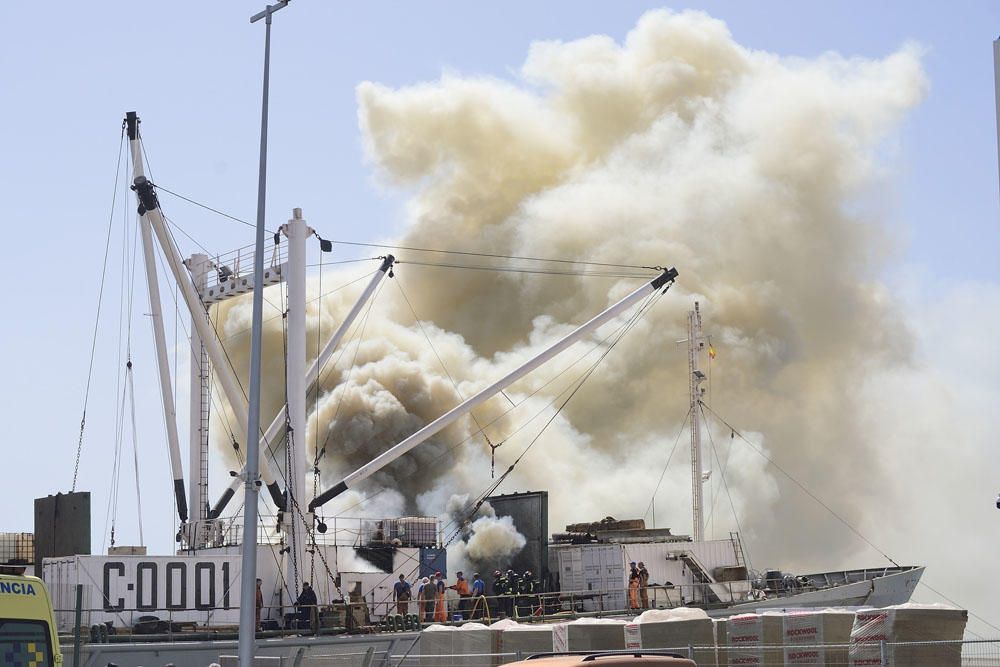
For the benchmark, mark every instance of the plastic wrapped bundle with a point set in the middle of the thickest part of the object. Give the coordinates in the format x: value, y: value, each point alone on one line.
x: 680, y: 629
x: 817, y: 638
x: 589, y: 634
x: 470, y: 645
x: 908, y: 623
x: 525, y: 639
x: 753, y: 639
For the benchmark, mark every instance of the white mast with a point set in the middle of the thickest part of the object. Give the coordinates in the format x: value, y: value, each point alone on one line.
x: 198, y: 264
x: 156, y: 318
x: 312, y: 375
x: 295, y: 377
x: 696, y: 343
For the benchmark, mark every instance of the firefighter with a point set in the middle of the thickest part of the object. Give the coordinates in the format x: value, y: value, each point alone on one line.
x: 510, y: 593
x: 528, y: 588
x: 499, y: 590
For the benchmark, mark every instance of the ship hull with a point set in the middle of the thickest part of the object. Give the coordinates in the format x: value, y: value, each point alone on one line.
x: 893, y: 586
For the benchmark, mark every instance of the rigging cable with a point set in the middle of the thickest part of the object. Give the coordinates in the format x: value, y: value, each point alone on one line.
x: 360, y: 333
x: 514, y: 406
x: 454, y: 384
x: 800, y: 485
x: 652, y: 499
x: 618, y: 335
x: 416, y: 248
x: 840, y: 518
x: 97, y: 319
x: 640, y: 311
x: 725, y: 484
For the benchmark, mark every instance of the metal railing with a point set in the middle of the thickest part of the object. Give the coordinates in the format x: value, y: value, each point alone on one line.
x: 341, y: 531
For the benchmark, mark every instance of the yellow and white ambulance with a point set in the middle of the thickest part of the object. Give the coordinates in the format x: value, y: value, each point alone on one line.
x: 28, y: 636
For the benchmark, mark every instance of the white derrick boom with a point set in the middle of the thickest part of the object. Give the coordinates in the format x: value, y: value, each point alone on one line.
x: 159, y: 337
x: 387, y: 457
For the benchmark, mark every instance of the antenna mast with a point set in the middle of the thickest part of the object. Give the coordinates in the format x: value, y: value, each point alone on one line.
x: 696, y: 343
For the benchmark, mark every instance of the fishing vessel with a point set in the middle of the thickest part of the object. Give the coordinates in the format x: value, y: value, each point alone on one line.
x: 184, y: 607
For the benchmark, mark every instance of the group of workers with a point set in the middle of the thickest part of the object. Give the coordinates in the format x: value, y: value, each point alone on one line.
x: 429, y: 595
x: 515, y: 596
x: 638, y: 586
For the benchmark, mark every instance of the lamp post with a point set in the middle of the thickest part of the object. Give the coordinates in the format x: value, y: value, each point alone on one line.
x: 248, y: 622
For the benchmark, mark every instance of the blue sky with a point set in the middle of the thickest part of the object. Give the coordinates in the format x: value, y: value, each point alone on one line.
x: 69, y: 71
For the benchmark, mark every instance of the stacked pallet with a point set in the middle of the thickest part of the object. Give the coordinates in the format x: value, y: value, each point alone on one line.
x: 681, y: 629
x: 817, y: 637
x: 470, y: 645
x: 589, y: 634
x: 875, y: 635
x: 525, y: 639
x: 753, y: 639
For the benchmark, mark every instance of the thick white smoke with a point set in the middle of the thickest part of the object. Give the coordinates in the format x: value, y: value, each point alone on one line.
x: 753, y: 174
x: 479, y: 537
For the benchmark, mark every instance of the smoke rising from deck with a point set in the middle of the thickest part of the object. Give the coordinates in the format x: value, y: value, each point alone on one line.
x: 754, y: 174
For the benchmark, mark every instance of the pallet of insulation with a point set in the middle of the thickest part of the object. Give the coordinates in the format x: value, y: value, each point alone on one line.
x: 753, y: 639
x: 902, y: 625
x: 817, y: 637
x: 681, y: 629
x: 589, y: 634
x: 524, y: 639
x: 468, y: 645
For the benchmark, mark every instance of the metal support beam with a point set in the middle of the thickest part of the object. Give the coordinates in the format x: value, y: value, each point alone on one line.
x: 379, y: 462
x: 156, y: 319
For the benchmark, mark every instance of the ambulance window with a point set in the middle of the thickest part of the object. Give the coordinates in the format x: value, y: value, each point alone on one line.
x: 24, y: 643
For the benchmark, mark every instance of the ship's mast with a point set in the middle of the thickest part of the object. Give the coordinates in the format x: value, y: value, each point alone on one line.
x: 696, y: 343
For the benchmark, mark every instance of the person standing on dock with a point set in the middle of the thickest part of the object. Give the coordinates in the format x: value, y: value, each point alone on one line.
x: 427, y: 595
x: 643, y: 586
x: 440, y: 607
x: 633, y: 587
x: 461, y: 586
x: 401, y: 593
x: 306, y: 604
x: 478, y: 596
x: 259, y: 602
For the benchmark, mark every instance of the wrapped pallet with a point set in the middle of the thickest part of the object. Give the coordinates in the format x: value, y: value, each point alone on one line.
x: 525, y: 639
x: 817, y: 637
x: 589, y: 634
x: 901, y: 625
x: 470, y: 645
x: 681, y: 629
x: 753, y: 639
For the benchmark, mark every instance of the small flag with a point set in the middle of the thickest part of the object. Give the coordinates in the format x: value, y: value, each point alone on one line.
x: 711, y: 352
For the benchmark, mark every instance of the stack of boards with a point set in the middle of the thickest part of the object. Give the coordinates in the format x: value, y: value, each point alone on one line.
x: 772, y: 639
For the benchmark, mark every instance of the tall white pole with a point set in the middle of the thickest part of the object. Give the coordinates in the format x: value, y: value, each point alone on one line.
x: 387, y: 457
x: 156, y: 318
x: 198, y: 264
x: 695, y: 377
x: 295, y: 377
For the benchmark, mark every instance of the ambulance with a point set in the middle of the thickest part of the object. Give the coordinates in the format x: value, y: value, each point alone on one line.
x: 28, y: 635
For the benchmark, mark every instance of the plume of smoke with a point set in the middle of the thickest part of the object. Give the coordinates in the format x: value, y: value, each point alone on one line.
x: 485, y: 538
x: 746, y: 170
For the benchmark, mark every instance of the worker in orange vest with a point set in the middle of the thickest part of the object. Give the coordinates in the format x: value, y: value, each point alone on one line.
x: 461, y: 587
